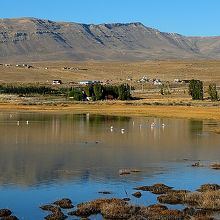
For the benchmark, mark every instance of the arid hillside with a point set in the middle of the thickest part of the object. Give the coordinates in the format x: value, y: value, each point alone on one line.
x: 31, y: 39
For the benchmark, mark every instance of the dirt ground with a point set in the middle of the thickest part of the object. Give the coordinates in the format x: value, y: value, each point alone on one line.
x: 207, y: 71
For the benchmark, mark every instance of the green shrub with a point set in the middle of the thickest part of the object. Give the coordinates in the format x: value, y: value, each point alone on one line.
x: 89, y: 90
x: 111, y: 90
x: 196, y: 89
x: 212, y: 91
x: 124, y: 92
x: 165, y: 89
x: 98, y: 91
x: 76, y: 94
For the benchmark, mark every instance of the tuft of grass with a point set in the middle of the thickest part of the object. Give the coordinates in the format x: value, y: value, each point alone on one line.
x: 94, y: 207
x: 157, y: 188
x: 208, y: 187
x: 208, y: 200
x: 118, y: 210
x: 215, y: 166
x: 173, y: 197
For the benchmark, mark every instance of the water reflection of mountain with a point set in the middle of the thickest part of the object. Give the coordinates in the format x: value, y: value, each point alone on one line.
x: 61, y: 147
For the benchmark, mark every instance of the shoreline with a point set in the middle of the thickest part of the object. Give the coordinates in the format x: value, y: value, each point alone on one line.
x: 120, y: 109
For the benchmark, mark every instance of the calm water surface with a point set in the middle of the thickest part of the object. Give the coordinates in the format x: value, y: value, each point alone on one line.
x: 65, y: 155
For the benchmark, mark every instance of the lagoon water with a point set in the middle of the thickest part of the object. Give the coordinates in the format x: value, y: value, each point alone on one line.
x: 47, y: 156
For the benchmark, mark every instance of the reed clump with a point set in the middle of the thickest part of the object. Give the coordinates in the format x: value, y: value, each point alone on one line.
x: 208, y: 200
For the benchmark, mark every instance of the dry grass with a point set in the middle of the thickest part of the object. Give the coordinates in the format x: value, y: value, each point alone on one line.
x: 208, y: 200
x: 118, y: 210
x: 215, y: 166
x: 121, y: 109
x: 158, y: 188
x: 209, y: 187
x: 157, y: 213
x: 204, y: 205
x: 173, y: 197
x: 116, y: 71
x: 64, y: 203
x: 94, y: 207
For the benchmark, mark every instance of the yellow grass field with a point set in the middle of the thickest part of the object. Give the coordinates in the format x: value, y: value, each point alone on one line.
x: 44, y: 72
x: 193, y: 112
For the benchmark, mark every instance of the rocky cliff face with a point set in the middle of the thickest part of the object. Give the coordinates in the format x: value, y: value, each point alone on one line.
x: 36, y: 39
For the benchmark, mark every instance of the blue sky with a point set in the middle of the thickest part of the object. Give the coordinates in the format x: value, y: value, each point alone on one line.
x: 188, y: 17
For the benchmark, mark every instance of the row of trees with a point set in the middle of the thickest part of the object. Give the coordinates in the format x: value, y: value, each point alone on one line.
x: 95, y: 92
x: 26, y: 90
x: 196, y: 90
x: 100, y: 92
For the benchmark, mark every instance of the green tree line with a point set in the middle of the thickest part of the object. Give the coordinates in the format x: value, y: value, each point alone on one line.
x: 25, y: 90
x: 196, y: 90
x: 100, y: 92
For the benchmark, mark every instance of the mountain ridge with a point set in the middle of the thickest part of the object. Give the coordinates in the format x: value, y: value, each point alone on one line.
x: 41, y: 39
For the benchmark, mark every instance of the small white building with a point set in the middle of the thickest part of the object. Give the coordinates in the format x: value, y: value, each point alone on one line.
x: 85, y: 82
x: 157, y: 82
x: 89, y: 82
x: 177, y: 81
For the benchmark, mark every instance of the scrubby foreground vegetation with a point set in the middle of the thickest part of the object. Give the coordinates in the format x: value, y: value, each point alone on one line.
x: 203, y: 204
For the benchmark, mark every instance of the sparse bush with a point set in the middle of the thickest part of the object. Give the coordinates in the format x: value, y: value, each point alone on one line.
x: 196, y: 89
x: 209, y: 200
x: 76, y: 94
x: 111, y: 90
x: 212, y: 91
x: 124, y: 92
x: 98, y: 91
x: 161, y: 90
x: 165, y: 89
x: 89, y: 91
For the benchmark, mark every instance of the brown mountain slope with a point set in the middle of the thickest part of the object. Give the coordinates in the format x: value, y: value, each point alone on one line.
x: 35, y: 39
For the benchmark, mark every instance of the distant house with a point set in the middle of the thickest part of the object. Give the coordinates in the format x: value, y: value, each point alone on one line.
x: 85, y: 82
x: 24, y: 65
x: 89, y: 82
x: 57, y: 82
x: 144, y: 79
x: 186, y: 80
x: 157, y: 82
x: 177, y: 81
